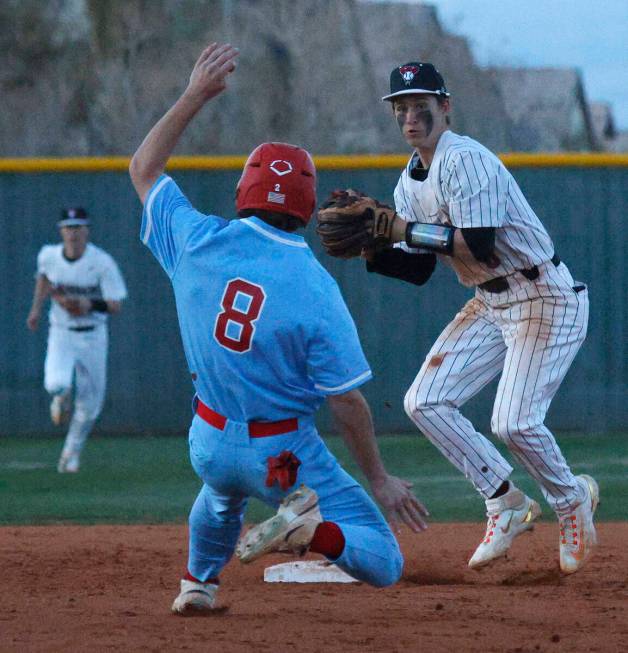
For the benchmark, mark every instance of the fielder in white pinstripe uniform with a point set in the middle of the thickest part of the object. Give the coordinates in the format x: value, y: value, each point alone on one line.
x: 85, y: 285
x: 526, y: 322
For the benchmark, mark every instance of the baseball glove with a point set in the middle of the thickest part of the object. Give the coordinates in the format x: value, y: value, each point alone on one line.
x: 350, y: 222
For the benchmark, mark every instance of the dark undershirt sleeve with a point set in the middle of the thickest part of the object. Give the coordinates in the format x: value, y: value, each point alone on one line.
x: 481, y: 242
x: 395, y: 263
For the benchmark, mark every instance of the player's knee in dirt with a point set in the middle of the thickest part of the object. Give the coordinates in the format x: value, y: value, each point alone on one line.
x: 396, y: 568
x: 390, y: 572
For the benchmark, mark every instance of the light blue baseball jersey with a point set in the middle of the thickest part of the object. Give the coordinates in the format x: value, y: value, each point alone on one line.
x: 265, y: 330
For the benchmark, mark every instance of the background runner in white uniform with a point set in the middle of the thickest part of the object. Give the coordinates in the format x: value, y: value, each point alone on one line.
x: 527, y: 321
x: 85, y: 284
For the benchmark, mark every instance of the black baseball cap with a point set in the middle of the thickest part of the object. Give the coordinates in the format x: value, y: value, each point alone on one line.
x: 415, y: 77
x: 75, y: 216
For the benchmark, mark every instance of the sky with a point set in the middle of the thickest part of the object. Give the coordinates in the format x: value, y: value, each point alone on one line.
x: 591, y: 36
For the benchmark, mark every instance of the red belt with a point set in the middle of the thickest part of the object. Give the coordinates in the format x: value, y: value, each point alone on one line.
x: 256, y: 429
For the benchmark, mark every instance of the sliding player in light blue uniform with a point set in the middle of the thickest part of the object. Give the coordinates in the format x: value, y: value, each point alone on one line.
x: 267, y: 338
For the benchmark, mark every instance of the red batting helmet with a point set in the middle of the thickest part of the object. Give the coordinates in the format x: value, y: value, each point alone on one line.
x: 278, y: 177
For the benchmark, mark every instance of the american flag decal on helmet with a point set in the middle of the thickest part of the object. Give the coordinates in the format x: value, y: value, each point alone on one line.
x: 276, y: 198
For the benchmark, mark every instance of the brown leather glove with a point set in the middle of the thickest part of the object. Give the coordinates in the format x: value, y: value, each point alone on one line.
x: 350, y: 222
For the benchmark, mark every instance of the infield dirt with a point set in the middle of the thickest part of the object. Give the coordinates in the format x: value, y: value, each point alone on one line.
x: 97, y: 588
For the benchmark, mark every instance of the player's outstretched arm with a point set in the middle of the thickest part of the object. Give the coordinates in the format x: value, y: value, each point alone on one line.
x: 352, y: 413
x: 208, y: 79
x: 42, y: 290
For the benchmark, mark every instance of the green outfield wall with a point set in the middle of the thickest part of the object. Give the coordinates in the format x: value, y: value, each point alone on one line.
x: 582, y: 200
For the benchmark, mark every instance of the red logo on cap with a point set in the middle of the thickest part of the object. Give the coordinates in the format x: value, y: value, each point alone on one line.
x: 408, y: 73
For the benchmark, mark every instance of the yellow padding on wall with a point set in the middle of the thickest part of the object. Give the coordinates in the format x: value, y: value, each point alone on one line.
x: 323, y: 162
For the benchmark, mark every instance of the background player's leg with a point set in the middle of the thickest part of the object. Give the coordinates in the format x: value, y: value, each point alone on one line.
x: 91, y: 380
x: 467, y: 355
x: 543, y: 337
x: 59, y: 372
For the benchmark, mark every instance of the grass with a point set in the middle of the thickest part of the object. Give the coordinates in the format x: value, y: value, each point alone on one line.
x: 149, y: 480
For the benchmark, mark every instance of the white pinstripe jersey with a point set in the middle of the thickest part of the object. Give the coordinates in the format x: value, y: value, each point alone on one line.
x: 468, y: 186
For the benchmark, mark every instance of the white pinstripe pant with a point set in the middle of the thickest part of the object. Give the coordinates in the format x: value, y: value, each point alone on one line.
x: 531, y: 334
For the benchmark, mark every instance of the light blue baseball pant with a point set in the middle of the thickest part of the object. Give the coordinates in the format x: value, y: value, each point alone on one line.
x: 233, y: 467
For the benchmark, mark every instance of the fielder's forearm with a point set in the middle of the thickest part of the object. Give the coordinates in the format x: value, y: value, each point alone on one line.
x: 113, y: 306
x: 104, y: 306
x: 41, y: 293
x: 152, y: 155
x: 415, y: 268
x: 471, y: 244
x: 431, y: 237
x: 353, y: 416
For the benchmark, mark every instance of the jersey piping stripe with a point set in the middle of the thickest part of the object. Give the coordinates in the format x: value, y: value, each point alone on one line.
x: 268, y: 234
x: 362, y: 377
x: 149, y: 208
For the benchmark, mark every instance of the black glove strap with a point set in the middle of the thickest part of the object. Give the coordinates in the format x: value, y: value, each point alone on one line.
x: 435, y: 237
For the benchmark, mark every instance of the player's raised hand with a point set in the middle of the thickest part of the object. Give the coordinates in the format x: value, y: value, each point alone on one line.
x: 209, y: 75
x: 399, y: 503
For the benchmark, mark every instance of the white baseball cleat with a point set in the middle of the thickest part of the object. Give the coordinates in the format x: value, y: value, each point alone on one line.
x: 508, y: 516
x: 290, y: 530
x: 60, y: 408
x: 195, y: 599
x: 577, y: 532
x: 68, y: 464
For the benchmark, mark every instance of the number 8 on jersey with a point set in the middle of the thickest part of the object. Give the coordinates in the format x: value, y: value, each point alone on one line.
x: 239, y: 323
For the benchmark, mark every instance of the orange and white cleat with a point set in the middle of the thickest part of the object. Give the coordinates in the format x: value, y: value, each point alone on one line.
x: 508, y: 516
x: 577, y: 532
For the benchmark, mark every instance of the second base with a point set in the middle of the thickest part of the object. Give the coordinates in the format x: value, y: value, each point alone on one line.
x: 307, y: 571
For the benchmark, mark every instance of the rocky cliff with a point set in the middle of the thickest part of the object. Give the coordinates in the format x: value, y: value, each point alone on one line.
x: 89, y: 77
